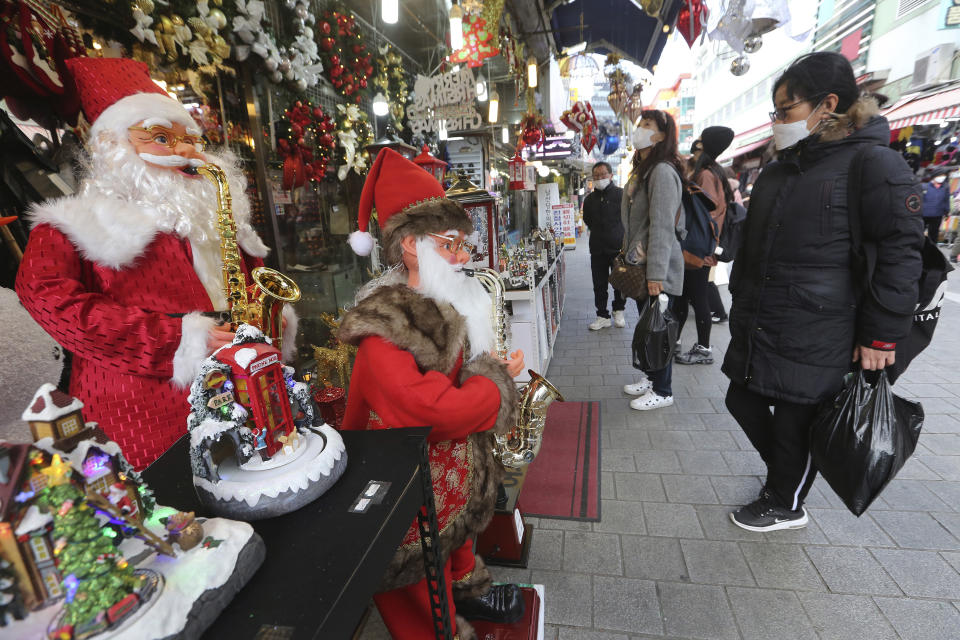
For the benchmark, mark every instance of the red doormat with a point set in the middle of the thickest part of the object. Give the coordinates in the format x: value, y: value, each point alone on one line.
x: 564, y: 480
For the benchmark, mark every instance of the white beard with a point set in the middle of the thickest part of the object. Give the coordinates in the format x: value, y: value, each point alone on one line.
x: 445, y: 282
x: 182, y: 205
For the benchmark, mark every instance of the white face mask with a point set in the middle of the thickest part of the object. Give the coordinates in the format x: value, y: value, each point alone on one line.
x: 600, y: 185
x: 641, y: 138
x: 789, y: 134
x: 939, y: 179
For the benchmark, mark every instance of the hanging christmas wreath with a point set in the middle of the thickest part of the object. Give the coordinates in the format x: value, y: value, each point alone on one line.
x: 308, y: 146
x: 348, y: 63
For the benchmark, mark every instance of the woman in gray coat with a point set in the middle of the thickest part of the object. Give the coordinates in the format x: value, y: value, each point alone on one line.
x: 650, y: 214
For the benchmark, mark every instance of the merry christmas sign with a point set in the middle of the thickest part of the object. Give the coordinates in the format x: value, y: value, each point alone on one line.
x: 447, y: 98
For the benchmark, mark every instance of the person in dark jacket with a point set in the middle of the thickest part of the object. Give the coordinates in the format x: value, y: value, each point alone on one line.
x: 601, y: 213
x: 936, y: 203
x: 799, y: 319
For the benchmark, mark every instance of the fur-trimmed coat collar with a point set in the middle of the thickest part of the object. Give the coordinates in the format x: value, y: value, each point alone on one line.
x: 856, y: 117
x: 433, y: 332
x: 113, y: 233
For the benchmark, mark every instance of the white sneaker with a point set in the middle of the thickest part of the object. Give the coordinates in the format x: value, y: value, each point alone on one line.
x: 599, y: 323
x: 618, y: 320
x: 651, y: 400
x: 638, y: 388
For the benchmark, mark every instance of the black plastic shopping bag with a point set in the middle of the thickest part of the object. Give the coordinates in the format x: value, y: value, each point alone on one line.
x: 860, y: 441
x: 654, y: 337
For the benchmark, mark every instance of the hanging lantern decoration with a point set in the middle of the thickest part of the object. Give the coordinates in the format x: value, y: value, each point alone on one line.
x: 433, y: 165
x: 583, y: 71
x: 635, y: 104
x: 617, y: 98
x: 691, y: 19
x: 531, y: 131
x: 517, y: 168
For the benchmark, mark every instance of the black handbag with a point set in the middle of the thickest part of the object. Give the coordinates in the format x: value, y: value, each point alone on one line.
x: 628, y: 279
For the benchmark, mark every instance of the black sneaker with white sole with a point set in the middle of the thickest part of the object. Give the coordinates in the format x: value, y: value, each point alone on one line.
x: 764, y: 515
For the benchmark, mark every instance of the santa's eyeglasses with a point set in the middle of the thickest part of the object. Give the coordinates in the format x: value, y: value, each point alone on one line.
x: 453, y: 245
x: 164, y: 137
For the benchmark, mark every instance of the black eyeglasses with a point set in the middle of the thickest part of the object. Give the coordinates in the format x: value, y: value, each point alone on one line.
x: 780, y: 113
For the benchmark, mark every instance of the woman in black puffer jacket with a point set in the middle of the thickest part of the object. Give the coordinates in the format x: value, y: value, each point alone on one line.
x: 799, y: 318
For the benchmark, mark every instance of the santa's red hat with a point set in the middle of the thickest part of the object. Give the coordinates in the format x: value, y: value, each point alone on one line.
x: 117, y: 93
x: 408, y: 200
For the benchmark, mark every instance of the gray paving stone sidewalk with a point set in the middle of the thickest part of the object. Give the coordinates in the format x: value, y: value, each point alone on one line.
x: 666, y: 562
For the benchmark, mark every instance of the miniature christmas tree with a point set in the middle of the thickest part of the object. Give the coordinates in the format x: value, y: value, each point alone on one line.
x: 95, y: 575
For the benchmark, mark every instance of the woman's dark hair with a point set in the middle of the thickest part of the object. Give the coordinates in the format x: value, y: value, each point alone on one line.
x: 706, y: 163
x: 663, y: 151
x: 813, y: 76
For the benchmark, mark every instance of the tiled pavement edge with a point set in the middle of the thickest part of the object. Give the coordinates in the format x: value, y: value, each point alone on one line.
x: 666, y: 562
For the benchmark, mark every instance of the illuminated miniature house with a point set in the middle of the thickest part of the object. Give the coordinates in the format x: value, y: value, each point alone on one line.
x: 53, y: 414
x: 256, y: 449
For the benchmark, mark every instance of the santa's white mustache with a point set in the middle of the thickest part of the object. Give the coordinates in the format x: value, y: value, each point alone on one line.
x: 171, y: 161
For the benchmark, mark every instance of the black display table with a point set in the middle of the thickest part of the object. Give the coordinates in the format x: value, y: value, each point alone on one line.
x: 323, y: 562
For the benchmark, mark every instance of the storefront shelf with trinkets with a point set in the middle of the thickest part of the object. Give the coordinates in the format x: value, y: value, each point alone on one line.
x: 536, y: 316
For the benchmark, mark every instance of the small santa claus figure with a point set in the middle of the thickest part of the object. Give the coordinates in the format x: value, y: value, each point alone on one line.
x: 126, y: 274
x: 425, y: 336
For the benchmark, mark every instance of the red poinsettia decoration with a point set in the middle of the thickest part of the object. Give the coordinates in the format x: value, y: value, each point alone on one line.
x: 477, y: 43
x: 308, y: 146
x: 691, y: 19
x: 347, y: 62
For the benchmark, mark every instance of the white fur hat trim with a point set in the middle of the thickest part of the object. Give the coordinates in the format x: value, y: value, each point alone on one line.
x: 361, y: 242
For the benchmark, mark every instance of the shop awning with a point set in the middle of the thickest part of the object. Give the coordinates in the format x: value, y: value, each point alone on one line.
x: 747, y: 141
x: 925, y: 109
x: 615, y: 26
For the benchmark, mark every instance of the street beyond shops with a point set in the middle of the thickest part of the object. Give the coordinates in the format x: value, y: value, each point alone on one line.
x: 666, y: 562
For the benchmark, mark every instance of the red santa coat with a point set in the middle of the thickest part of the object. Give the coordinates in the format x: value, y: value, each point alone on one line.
x: 102, y: 279
x: 409, y: 371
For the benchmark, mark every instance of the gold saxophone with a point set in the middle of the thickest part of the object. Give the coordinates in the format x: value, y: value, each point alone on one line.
x: 260, y: 304
x: 521, y: 445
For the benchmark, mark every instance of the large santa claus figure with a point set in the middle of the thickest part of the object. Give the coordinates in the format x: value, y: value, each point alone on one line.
x: 126, y: 274
x: 425, y: 336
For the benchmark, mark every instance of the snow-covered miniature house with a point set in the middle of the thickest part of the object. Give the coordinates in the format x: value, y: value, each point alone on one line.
x: 53, y: 414
x: 255, y: 448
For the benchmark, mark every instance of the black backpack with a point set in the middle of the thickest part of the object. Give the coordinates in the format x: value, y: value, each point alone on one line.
x: 702, y: 233
x: 933, y: 277
x: 732, y: 233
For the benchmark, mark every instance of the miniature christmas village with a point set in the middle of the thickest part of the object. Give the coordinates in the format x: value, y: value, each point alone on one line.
x: 258, y: 448
x: 84, y: 549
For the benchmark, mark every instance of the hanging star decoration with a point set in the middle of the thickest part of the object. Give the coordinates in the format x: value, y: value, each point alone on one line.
x: 57, y: 472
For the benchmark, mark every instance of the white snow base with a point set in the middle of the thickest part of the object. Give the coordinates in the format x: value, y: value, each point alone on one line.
x: 312, y: 460
x: 185, y: 578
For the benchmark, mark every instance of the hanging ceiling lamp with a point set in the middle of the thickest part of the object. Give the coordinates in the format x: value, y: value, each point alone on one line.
x: 583, y: 71
x: 456, y: 28
x: 390, y: 11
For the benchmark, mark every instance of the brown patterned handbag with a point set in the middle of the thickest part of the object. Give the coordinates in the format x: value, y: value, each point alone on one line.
x: 628, y: 279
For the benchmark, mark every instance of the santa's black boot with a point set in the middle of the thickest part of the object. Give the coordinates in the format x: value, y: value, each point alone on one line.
x: 503, y: 603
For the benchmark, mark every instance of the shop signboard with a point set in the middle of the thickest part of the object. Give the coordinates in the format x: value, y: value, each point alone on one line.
x: 446, y: 98
x: 548, y: 194
x: 554, y: 148
x: 564, y: 223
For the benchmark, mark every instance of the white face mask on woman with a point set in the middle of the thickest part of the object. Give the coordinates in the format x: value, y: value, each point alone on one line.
x: 788, y: 134
x: 641, y: 138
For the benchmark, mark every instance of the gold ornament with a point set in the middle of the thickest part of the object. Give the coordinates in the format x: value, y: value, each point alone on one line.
x: 145, y: 5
